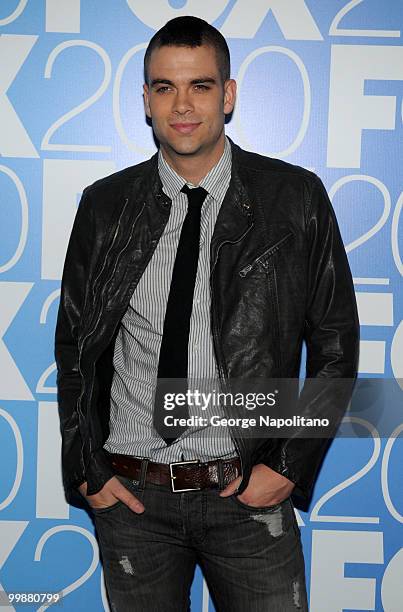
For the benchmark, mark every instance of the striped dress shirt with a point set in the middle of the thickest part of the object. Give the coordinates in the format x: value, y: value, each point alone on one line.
x: 139, y: 337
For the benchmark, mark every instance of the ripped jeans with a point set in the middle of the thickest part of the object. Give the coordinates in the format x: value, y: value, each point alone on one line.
x: 251, y: 558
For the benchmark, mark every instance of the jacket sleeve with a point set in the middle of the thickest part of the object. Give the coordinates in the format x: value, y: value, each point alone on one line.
x: 332, y: 343
x: 72, y: 299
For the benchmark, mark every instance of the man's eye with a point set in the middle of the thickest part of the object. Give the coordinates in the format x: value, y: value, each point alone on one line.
x: 162, y: 89
x: 201, y: 87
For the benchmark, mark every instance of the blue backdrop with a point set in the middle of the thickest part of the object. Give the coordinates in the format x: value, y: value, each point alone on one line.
x: 320, y: 85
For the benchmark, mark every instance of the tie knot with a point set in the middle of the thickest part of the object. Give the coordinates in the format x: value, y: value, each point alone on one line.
x: 196, y: 196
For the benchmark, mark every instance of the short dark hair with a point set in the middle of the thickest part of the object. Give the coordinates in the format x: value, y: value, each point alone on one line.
x: 189, y: 31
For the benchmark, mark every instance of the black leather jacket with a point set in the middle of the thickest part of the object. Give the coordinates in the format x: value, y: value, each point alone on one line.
x: 279, y: 275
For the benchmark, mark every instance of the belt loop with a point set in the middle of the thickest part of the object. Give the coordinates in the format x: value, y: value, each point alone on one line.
x: 220, y: 470
x: 143, y: 472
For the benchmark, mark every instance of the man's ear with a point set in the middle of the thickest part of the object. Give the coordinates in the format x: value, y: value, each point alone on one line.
x: 229, y: 95
x: 146, y: 100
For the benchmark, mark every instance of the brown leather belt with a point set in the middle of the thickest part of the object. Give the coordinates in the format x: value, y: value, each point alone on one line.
x: 182, y: 475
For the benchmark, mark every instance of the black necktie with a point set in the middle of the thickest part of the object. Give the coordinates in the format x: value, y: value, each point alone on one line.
x: 173, y: 359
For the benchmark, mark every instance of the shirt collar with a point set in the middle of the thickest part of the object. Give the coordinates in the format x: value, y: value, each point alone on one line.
x: 172, y: 182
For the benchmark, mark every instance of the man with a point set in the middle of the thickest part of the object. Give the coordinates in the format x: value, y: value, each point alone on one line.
x: 204, y: 260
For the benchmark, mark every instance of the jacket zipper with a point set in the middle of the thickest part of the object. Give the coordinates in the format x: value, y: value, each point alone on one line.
x: 221, y: 372
x: 268, y: 252
x: 92, y: 330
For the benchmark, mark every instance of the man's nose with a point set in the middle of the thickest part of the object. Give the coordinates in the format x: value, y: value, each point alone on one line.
x: 182, y: 102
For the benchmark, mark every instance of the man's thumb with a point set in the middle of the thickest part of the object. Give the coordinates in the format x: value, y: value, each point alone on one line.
x: 129, y: 499
x: 231, y: 488
x: 134, y: 504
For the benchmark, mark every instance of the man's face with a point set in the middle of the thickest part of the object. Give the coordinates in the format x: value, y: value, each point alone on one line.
x: 186, y: 99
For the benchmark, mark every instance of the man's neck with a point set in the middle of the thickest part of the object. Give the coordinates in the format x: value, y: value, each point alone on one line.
x: 193, y: 168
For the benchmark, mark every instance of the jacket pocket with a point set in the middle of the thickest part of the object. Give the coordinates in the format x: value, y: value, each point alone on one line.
x: 262, y: 258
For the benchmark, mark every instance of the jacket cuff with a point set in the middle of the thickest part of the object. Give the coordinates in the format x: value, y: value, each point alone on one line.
x: 298, y: 460
x: 99, y: 471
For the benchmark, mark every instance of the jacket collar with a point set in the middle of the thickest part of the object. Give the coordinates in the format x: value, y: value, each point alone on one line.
x: 236, y: 196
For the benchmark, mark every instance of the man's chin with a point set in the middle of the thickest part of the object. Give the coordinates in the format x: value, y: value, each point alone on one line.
x: 183, y: 148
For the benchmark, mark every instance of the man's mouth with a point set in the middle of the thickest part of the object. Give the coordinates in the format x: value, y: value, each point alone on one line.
x: 185, y: 128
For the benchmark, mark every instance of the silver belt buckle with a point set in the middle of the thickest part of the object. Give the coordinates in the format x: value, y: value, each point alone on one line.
x: 171, y: 468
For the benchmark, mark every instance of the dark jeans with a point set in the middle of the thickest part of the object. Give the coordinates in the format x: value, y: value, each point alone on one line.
x: 251, y: 558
